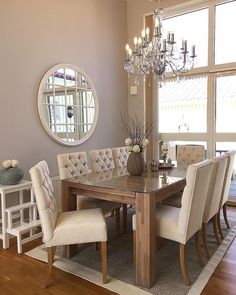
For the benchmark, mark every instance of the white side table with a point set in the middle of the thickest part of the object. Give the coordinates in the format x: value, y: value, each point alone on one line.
x: 11, y: 213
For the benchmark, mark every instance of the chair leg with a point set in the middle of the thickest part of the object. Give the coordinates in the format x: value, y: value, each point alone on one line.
x: 134, y: 246
x: 96, y: 246
x: 198, y: 247
x: 117, y: 218
x: 204, y: 239
x: 124, y: 218
x: 225, y: 215
x: 51, y: 253
x: 182, y: 257
x: 219, y: 226
x: 113, y: 213
x: 104, y: 261
x: 215, y: 227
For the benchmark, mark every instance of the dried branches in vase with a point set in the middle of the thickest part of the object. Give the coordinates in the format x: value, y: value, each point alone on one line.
x: 137, y: 132
x: 137, y: 140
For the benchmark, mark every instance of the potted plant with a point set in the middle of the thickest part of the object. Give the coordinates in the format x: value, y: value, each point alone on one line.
x: 10, y: 174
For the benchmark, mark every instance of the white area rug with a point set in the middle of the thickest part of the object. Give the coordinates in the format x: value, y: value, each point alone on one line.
x: 169, y: 280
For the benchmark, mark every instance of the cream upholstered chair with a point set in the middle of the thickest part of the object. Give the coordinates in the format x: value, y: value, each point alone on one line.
x: 189, y: 154
x: 181, y: 224
x: 66, y: 228
x: 120, y: 156
x: 225, y: 191
x: 185, y: 155
x: 102, y: 160
x: 213, y: 198
x: 76, y: 164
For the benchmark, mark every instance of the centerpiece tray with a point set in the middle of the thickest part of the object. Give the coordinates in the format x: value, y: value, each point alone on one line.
x: 161, y: 167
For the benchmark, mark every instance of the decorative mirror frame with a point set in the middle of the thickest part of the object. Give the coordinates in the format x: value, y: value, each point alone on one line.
x: 41, y: 111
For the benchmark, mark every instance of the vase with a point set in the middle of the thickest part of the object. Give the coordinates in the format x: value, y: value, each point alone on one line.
x: 11, y: 176
x: 135, y: 164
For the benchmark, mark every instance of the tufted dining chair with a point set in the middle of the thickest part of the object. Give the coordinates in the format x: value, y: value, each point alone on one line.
x: 185, y: 155
x: 180, y: 224
x: 120, y: 156
x: 213, y: 198
x: 225, y: 191
x: 189, y: 154
x: 102, y: 160
x: 65, y: 228
x: 76, y: 164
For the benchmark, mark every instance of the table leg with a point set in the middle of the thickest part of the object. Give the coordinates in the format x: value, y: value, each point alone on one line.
x: 5, y: 235
x: 145, y: 240
x: 124, y: 218
x: 68, y: 203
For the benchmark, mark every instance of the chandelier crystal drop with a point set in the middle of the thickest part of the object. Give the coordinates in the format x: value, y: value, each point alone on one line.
x: 158, y: 55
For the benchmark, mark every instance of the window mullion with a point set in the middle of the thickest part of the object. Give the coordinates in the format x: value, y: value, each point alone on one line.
x: 211, y: 104
x: 211, y: 36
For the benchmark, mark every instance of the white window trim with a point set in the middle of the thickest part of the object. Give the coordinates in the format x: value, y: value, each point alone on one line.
x: 212, y: 71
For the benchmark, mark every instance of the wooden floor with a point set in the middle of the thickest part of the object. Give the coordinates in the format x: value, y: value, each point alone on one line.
x: 223, y: 280
x: 20, y: 274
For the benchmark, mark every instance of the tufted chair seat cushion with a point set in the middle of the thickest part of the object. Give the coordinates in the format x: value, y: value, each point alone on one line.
x: 166, y: 222
x: 120, y: 156
x: 75, y: 227
x: 101, y: 160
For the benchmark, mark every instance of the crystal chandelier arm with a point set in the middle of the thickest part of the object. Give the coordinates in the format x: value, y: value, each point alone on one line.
x: 153, y: 56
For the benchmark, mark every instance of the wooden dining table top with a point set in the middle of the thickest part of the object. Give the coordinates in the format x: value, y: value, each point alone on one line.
x: 120, y: 179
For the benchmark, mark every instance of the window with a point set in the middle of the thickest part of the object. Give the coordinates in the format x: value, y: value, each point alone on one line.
x: 225, y: 45
x: 226, y: 104
x: 202, y: 106
x: 191, y: 26
x: 181, y: 102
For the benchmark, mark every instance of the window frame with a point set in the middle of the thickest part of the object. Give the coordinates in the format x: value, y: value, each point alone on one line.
x: 212, y: 71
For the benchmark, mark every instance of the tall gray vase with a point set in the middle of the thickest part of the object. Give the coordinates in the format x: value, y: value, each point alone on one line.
x: 135, y: 164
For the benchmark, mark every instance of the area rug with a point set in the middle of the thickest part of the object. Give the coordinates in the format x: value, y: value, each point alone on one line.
x: 87, y: 264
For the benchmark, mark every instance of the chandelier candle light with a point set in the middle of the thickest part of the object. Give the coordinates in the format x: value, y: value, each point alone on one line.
x: 158, y: 55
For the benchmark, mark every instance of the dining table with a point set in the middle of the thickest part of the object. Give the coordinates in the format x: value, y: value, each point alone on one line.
x: 143, y: 192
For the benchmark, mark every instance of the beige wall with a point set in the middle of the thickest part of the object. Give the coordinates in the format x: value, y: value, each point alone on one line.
x: 38, y: 34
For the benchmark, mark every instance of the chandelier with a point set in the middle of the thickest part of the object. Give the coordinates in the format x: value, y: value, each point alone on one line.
x: 158, y: 55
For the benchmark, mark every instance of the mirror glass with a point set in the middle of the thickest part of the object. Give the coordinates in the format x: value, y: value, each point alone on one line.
x: 67, y: 104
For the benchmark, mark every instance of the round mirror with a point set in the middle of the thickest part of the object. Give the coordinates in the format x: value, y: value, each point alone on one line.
x: 67, y: 104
